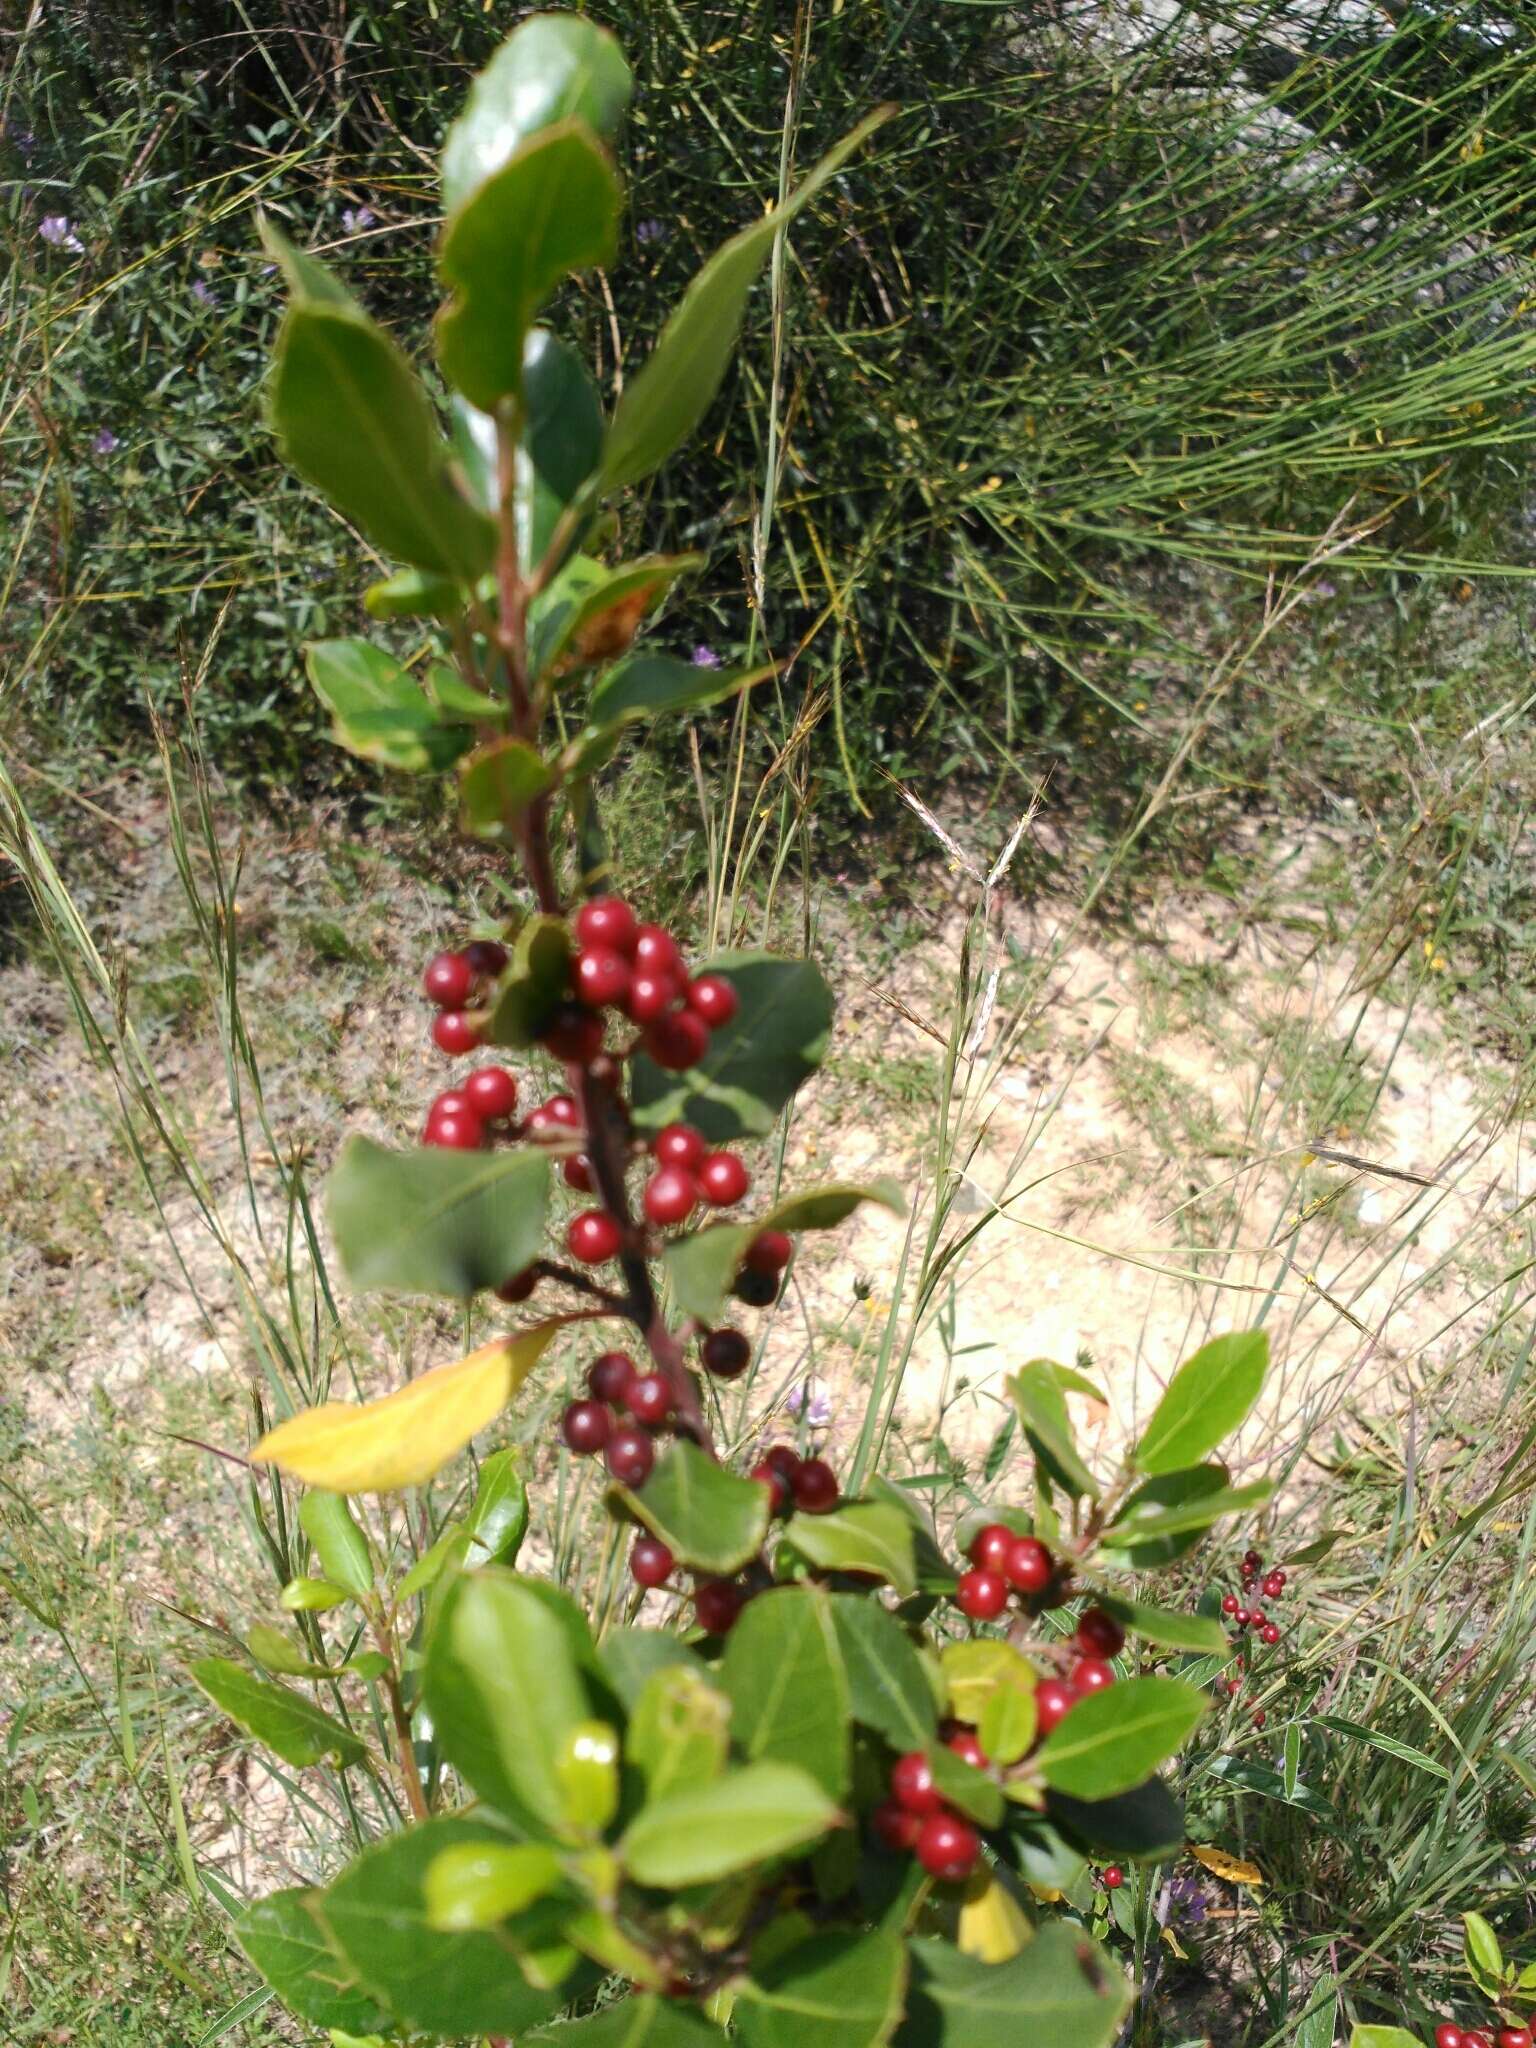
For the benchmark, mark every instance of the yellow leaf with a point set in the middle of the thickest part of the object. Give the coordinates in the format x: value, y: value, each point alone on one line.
x: 405, y: 1437
x: 993, y: 1927
x: 1173, y: 1942
x: 1232, y: 1868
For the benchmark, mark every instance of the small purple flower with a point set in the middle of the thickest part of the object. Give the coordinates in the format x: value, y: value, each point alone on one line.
x: 811, y: 1403
x: 58, y: 234
x: 705, y: 657
x: 355, y: 218
x: 105, y: 442
x: 202, y: 291
x: 1187, y: 1900
x: 650, y: 231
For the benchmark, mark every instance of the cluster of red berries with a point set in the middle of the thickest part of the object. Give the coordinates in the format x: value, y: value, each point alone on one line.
x: 915, y: 1820
x: 1451, y: 2036
x: 1002, y: 1563
x: 1243, y: 1610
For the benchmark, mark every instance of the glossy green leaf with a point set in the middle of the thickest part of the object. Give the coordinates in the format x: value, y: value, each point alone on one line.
x: 669, y: 396
x: 700, y: 1833
x: 977, y: 1668
x: 832, y: 1991
x: 1043, y: 1856
x: 636, y: 2022
x: 650, y: 686
x: 505, y: 1692
x: 551, y: 209
x: 534, y: 985
x: 591, y: 613
x: 431, y: 1221
x: 1188, y: 1517
x: 479, y: 1884
x: 498, y: 1517
x: 340, y: 1544
x: 1166, y: 1626
x: 562, y: 441
x: 552, y: 68
x: 1389, y: 1745
x: 1060, y: 1991
x: 703, y: 1266
x: 447, y: 1984
x: 351, y: 415
x: 888, y: 1689
x: 312, y: 1596
x: 783, y: 1671
x: 1152, y: 1499
x: 1041, y: 1403
x: 1146, y: 1823
x: 1363, y: 2035
x: 631, y: 1657
x: 412, y: 594
x: 284, y: 1720
x: 1484, y: 1956
x: 963, y: 1787
x: 497, y: 783
x: 1006, y: 1728
x: 587, y: 1772
x: 1210, y: 1395
x: 274, y: 1651
x: 776, y: 1040
x: 377, y: 709
x: 709, y: 1518
x: 282, y: 1935
x: 679, y: 1730
x: 1116, y: 1739
x: 454, y: 700
x: 864, y: 1536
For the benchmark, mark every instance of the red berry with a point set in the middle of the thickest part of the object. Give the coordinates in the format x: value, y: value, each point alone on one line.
x: 1514, y: 2037
x: 1257, y: 1617
x: 677, y: 1041
x: 563, y: 1111
x: 1113, y: 1877
x: 948, y: 1848
x: 725, y: 1353
x: 1269, y: 1633
x: 586, y: 1427
x: 671, y: 1195
x: 717, y: 1602
x: 814, y: 1485
x: 486, y: 957
x: 455, y: 1032
x: 656, y: 950
x: 519, y: 1287
x: 650, y: 996
x: 492, y: 1093
x: 1234, y: 1687
x: 576, y: 1172
x: 895, y: 1828
x: 1449, y: 2036
x: 1054, y: 1700
x: 966, y: 1744
x: 1091, y: 1674
x: 912, y: 1785
x: 649, y: 1400
x: 784, y: 1459
x: 770, y: 1251
x: 1259, y: 1717
x: 1099, y: 1633
x: 1252, y: 1559
x: 778, y: 1486
x: 1230, y: 1604
x: 1273, y: 1586
x: 982, y: 1594
x: 1476, y: 2039
x: 456, y: 1131
x: 723, y: 1179
x: 448, y: 980
x: 593, y: 1236
x: 631, y: 1454
x: 602, y: 978
x: 1242, y: 1617
x: 452, y: 1102
x: 573, y: 1034
x: 607, y: 921
x: 1279, y: 1578
x: 714, y: 999
x: 650, y: 1562
x: 611, y: 1375
x: 991, y: 1545
x: 679, y: 1145
x: 1030, y: 1567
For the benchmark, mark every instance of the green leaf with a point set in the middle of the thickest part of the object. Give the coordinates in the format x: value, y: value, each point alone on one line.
x: 411, y: 594
x: 709, y: 1518
x: 649, y: 686
x: 1484, y: 1957
x: 1388, y: 1744
x: 276, y: 1715
x: 497, y: 784
x: 505, y: 1692
x: 498, y: 1517
x: 340, y: 1544
x: 1044, y: 1857
x: 448, y: 1984
x: 976, y: 1669
x: 275, y: 1652
x: 377, y: 710
x: 479, y: 1884
x: 1060, y: 1991
x: 587, y: 1772
x: 1192, y: 1515
x: 1210, y: 1395
x: 633, y: 2023
x: 783, y: 1670
x: 1007, y: 1725
x: 453, y: 698
x: 962, y: 1786
x: 1174, y: 1631
x: 282, y: 1936
x: 562, y: 441
x: 1362, y: 2035
x: 631, y: 1657
x: 679, y: 1730
x: 1042, y: 1408
x: 554, y: 67
x: 663, y: 404
x: 534, y: 985
x: 776, y: 1040
x: 701, y: 1833
x: 551, y: 209
x: 1117, y: 1738
x: 1270, y: 1784
x: 888, y: 1689
x: 864, y: 1536
x: 833, y: 1991
x: 312, y: 1596
x: 1146, y: 1823
x: 351, y: 415
x: 591, y: 613
x: 702, y: 1267
x: 430, y: 1221
x: 1153, y: 1498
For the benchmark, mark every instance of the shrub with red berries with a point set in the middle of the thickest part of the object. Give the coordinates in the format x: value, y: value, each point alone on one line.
x: 784, y: 1682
